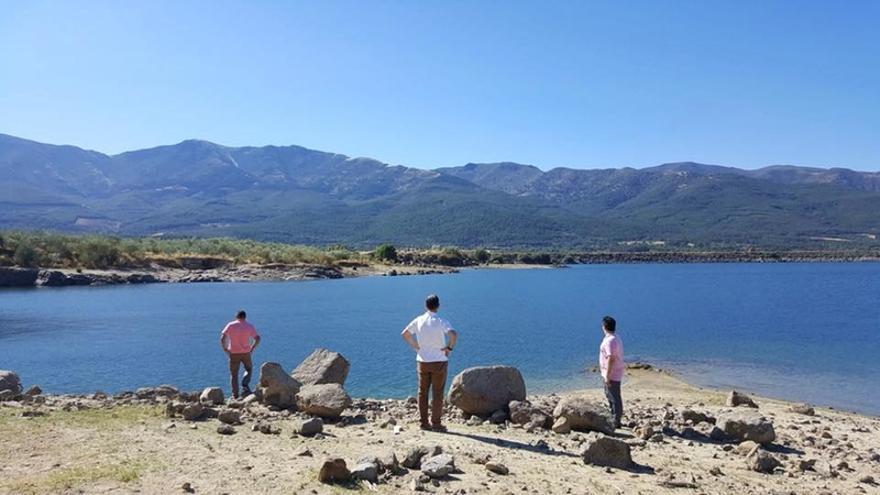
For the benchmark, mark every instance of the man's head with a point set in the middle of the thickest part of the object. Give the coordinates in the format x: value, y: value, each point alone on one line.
x: 608, y: 324
x: 241, y: 315
x: 432, y: 302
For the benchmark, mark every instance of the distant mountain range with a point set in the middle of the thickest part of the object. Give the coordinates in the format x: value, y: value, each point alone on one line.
x: 294, y: 194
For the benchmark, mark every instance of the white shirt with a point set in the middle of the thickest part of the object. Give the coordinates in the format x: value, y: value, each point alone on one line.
x: 430, y: 332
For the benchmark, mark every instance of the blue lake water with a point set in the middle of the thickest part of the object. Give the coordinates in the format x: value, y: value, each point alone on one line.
x: 798, y: 331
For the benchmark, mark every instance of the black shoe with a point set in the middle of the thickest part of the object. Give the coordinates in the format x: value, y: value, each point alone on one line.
x: 246, y: 391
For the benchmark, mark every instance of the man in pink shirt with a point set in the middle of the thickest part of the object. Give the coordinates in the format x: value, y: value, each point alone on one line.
x: 611, y: 364
x: 238, y: 340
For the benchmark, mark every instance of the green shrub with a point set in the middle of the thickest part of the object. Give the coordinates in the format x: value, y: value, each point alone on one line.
x: 26, y: 255
x: 385, y: 252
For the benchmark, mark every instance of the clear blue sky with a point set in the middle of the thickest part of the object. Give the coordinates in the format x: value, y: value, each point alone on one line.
x: 581, y: 84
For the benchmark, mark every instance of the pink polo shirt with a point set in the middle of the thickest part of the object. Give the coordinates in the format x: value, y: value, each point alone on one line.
x: 611, y: 346
x: 238, y: 335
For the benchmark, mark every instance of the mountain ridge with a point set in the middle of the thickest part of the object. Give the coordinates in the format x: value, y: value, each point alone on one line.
x: 296, y: 194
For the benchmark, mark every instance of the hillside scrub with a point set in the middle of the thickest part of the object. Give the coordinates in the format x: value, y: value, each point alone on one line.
x: 43, y: 249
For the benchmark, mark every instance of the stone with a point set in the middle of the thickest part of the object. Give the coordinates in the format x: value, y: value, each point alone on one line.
x: 212, y: 396
x: 322, y: 366
x: 804, y: 409
x: 229, y: 416
x: 367, y: 471
x: 388, y: 462
x: 762, y: 461
x: 327, y: 400
x: 153, y: 393
x: 18, y: 277
x: 696, y: 417
x: 192, y: 412
x: 34, y: 391
x: 225, y: 429
x: 737, y: 399
x: 562, y: 426
x: 9, y: 381
x: 644, y: 432
x: 334, y: 470
x: 601, y: 450
x: 584, y: 414
x: 438, y: 466
x: 310, y: 427
x: 747, y: 425
x: 745, y: 448
x: 867, y: 479
x: 497, y: 468
x: 413, y: 459
x: 475, y: 421
x: 277, y: 388
x: 498, y: 417
x: 806, y: 465
x: 482, y: 390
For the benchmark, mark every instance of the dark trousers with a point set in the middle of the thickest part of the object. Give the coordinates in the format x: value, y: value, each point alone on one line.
x: 234, y: 361
x: 615, y: 401
x: 431, y: 376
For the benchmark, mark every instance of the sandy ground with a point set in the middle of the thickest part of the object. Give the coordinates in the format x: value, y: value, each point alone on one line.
x: 136, y: 449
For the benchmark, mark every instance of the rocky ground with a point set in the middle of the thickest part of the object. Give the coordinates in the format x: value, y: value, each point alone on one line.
x: 676, y: 439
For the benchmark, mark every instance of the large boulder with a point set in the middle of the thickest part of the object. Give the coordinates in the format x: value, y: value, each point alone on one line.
x: 9, y: 381
x: 277, y: 388
x: 322, y: 366
x: 600, y: 450
x: 746, y: 425
x: 584, y: 414
x: 327, y: 400
x: 483, y: 390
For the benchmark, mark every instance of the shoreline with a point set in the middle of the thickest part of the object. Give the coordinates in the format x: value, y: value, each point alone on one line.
x: 125, y: 443
x: 16, y: 276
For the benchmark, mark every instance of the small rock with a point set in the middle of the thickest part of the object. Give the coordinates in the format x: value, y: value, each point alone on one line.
x: 805, y: 409
x: 33, y: 391
x: 762, y: 461
x: 212, y: 396
x: 497, y: 468
x: 187, y: 487
x: 498, y: 417
x: 334, y: 470
x: 737, y: 399
x: 561, y: 426
x: 225, y: 429
x: 310, y: 427
x: 601, y: 450
x: 867, y: 479
x: 229, y: 416
x: 366, y: 471
x: 192, y: 412
x: 438, y: 466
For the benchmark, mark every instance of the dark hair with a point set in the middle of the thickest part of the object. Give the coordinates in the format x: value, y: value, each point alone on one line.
x: 241, y: 315
x: 432, y: 302
x: 609, y: 324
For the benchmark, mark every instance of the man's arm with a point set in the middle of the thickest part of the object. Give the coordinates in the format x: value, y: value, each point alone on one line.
x: 451, y: 339
x: 410, y: 339
x: 223, y: 343
x: 256, y: 342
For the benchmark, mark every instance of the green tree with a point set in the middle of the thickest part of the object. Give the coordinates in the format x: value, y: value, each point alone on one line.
x: 26, y: 255
x: 385, y: 252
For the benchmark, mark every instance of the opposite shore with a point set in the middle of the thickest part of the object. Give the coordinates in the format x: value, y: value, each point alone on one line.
x: 190, y: 269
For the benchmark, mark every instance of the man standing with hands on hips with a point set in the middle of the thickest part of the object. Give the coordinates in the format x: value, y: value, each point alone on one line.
x: 238, y: 340
x: 612, y: 366
x: 433, y: 339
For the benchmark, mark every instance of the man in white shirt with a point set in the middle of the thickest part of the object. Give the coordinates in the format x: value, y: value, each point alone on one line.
x: 433, y: 339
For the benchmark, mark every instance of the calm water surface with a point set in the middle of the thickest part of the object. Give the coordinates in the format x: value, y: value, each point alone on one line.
x: 799, y: 331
